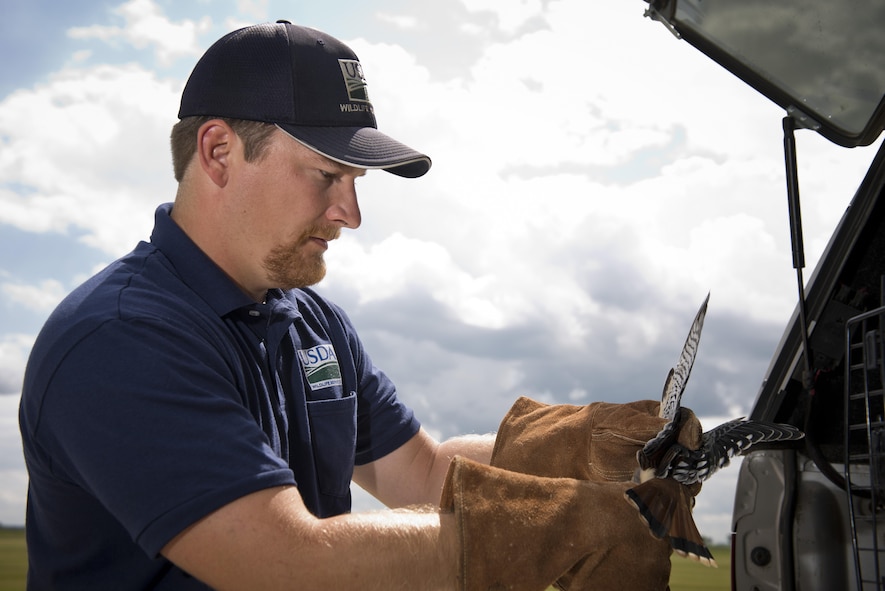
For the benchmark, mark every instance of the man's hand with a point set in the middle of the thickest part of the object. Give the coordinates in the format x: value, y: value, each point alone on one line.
x: 596, y: 442
x: 523, y: 532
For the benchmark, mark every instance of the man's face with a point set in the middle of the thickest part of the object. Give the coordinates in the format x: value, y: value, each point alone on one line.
x: 294, y: 201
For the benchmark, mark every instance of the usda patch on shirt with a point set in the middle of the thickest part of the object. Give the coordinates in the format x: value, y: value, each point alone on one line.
x: 320, y: 366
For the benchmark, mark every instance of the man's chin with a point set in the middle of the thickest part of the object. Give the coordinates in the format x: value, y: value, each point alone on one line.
x: 303, y: 279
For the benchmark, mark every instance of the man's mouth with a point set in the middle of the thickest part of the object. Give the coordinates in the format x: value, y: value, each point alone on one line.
x: 323, y: 239
x: 327, y: 236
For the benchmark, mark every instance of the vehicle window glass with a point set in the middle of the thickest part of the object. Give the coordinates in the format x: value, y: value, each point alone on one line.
x: 829, y: 56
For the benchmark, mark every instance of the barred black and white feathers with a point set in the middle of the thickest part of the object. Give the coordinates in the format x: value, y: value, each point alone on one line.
x: 719, y: 445
x: 667, y: 508
x: 653, y: 452
x: 674, y: 385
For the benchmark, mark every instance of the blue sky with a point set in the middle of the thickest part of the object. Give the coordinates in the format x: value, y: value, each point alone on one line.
x: 593, y: 179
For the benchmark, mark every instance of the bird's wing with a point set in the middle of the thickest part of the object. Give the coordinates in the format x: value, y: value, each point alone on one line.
x: 733, y: 438
x: 675, y: 385
x: 653, y: 453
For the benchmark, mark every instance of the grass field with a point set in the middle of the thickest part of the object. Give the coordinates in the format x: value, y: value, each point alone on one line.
x: 13, y: 559
x: 686, y: 575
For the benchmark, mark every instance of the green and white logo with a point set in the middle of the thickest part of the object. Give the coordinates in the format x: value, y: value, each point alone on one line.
x: 320, y: 366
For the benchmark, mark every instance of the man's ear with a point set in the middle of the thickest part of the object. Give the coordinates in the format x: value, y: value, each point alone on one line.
x: 215, y: 141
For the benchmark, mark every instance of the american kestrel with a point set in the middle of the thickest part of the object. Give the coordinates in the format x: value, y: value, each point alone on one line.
x: 668, y: 511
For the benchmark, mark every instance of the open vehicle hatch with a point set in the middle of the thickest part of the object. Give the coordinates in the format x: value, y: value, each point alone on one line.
x: 814, y: 518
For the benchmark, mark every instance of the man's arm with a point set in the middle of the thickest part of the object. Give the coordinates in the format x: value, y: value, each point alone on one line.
x: 414, y: 473
x: 269, y: 540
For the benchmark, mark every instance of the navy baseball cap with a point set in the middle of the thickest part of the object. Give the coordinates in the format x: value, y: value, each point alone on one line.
x: 309, y: 84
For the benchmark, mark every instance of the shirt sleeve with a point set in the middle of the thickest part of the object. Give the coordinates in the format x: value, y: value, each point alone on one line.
x: 148, y: 419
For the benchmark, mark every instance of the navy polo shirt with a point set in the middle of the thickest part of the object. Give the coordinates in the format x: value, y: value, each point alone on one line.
x: 158, y: 392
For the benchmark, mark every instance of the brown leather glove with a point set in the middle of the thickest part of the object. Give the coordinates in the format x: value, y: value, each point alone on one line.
x: 596, y: 442
x: 522, y: 532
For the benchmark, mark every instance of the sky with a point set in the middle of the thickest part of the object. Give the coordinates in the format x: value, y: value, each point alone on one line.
x: 593, y: 179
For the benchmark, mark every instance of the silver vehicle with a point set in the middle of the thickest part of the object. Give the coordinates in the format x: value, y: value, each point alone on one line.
x: 813, y: 517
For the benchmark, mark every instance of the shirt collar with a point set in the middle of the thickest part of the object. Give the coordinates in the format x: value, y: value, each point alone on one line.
x: 194, y: 267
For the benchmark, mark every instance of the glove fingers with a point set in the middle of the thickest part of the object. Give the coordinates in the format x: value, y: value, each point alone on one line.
x: 545, y: 440
x: 618, y: 432
x: 596, y: 442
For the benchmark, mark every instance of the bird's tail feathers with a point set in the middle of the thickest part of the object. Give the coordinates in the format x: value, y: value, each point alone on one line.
x: 665, y: 505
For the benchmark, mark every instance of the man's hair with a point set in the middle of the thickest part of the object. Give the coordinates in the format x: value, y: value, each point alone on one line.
x: 254, y: 134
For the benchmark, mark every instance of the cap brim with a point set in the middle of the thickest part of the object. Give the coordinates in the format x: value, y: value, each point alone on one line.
x: 361, y: 147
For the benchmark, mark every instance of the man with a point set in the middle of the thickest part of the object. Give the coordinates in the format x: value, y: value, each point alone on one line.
x: 193, y: 415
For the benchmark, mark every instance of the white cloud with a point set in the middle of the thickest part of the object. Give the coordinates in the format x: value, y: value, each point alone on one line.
x: 14, y: 349
x: 682, y: 170
x: 400, y: 21
x: 13, y: 476
x: 509, y: 16
x: 255, y: 9
x: 145, y: 25
x: 89, y: 150
x: 398, y: 263
x: 43, y: 297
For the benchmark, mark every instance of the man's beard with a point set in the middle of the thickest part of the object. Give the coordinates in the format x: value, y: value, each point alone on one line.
x: 297, y: 264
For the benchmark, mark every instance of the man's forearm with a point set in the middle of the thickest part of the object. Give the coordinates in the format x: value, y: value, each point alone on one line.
x: 394, y: 549
x: 266, y: 541
x: 475, y: 447
x: 414, y: 474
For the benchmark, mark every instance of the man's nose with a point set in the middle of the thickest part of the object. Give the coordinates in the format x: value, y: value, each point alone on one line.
x: 345, y: 208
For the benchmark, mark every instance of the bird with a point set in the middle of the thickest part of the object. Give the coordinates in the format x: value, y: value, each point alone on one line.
x: 666, y: 505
